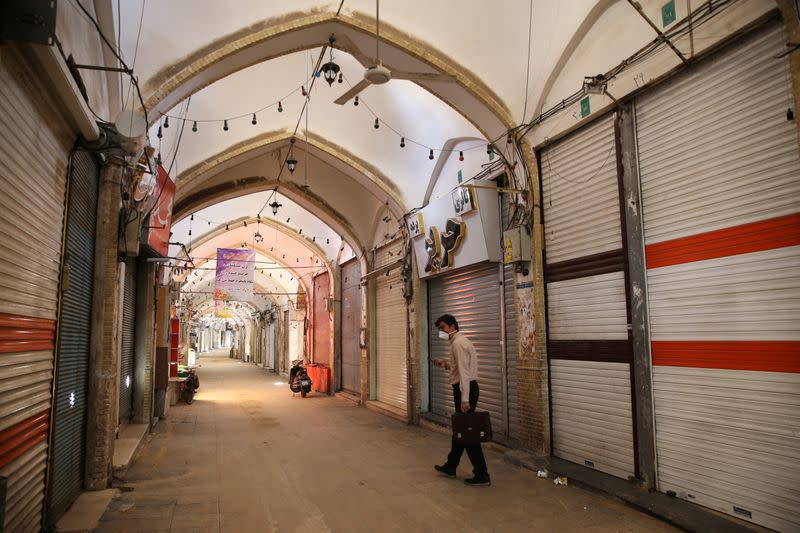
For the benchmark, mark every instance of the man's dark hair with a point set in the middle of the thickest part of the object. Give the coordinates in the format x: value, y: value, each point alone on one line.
x: 450, y: 320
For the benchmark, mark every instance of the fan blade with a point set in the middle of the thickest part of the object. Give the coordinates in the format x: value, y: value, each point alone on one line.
x: 421, y: 76
x: 357, y: 88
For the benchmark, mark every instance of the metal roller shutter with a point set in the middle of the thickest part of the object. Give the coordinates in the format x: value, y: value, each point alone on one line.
x: 287, y: 332
x: 72, y: 372
x: 510, y: 330
x: 128, y: 341
x: 392, y: 330
x: 589, y: 344
x: 721, y: 210
x: 472, y: 295
x: 322, y: 320
x: 272, y: 345
x: 35, y: 145
x: 351, y: 326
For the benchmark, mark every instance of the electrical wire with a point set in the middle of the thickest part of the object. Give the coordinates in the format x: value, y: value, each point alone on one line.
x: 528, y: 71
x: 113, y: 51
x: 135, y: 50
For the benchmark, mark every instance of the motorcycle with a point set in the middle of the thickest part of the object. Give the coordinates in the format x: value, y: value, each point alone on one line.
x: 190, y: 385
x: 298, y: 379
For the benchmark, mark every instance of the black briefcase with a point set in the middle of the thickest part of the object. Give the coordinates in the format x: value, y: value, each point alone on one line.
x: 472, y: 428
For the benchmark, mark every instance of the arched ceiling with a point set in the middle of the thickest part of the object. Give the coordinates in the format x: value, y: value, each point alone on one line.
x: 487, y: 68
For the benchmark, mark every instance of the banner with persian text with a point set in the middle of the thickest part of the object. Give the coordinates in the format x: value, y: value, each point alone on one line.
x: 235, y: 269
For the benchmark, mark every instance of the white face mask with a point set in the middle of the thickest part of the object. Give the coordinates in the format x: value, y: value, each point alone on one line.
x: 443, y: 335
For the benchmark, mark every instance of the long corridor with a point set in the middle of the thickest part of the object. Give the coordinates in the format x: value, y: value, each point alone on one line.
x: 247, y: 457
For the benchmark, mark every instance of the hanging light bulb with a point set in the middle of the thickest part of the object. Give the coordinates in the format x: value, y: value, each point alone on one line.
x: 460, y: 156
x: 402, y: 142
x: 430, y: 155
x: 258, y: 237
x: 291, y: 164
x: 194, y: 126
x: 301, y: 231
x: 340, y: 78
x: 314, y: 238
x: 303, y: 89
x: 245, y: 223
x: 275, y: 206
x: 159, y: 134
x: 355, y: 101
x: 166, y: 122
x: 509, y: 139
x: 225, y: 125
x: 254, y: 121
x: 489, y: 149
x: 327, y: 241
x: 227, y: 227
x: 377, y: 125
x: 158, y: 158
x: 288, y: 219
x: 280, y: 107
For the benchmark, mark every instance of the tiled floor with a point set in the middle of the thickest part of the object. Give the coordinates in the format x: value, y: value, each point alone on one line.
x: 247, y: 457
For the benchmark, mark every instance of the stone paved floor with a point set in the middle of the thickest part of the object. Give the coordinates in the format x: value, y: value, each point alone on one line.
x: 247, y: 457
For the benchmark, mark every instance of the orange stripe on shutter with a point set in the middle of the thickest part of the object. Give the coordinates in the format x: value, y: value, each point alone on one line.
x: 754, y: 237
x: 21, y: 333
x: 23, y: 436
x: 765, y: 356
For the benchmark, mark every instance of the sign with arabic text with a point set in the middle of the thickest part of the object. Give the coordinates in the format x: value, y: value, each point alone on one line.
x: 235, y: 269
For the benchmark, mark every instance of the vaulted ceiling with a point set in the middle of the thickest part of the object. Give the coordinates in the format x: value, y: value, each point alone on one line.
x: 481, y: 68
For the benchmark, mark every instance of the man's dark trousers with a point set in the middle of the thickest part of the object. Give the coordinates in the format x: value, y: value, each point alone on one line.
x: 474, y: 451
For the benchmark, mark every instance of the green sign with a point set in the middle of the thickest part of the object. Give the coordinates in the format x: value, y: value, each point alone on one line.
x: 585, y: 109
x: 460, y: 176
x: 668, y: 15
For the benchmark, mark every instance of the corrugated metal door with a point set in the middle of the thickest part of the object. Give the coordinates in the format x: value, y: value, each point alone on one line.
x: 322, y: 320
x: 33, y: 169
x: 721, y: 206
x: 472, y: 295
x: 287, y: 332
x: 351, y: 326
x: 392, y: 330
x: 589, y: 344
x: 72, y: 372
x: 128, y: 341
x: 510, y: 330
x: 272, y: 345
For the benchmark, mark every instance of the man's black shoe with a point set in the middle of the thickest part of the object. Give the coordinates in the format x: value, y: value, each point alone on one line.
x: 445, y: 470
x: 478, y: 481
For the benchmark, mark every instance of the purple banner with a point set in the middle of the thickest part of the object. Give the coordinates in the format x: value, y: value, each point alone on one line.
x: 235, y: 268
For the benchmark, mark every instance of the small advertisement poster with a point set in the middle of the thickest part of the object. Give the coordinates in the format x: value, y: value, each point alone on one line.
x: 235, y: 269
x: 221, y: 309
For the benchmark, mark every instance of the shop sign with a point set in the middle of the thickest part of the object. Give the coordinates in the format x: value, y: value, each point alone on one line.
x: 460, y: 229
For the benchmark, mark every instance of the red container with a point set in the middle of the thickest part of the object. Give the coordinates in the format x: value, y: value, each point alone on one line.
x: 320, y: 376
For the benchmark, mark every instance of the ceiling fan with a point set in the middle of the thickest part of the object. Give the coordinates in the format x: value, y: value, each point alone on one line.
x: 377, y: 74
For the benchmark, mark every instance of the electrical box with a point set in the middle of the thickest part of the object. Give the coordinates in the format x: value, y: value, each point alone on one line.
x: 516, y: 245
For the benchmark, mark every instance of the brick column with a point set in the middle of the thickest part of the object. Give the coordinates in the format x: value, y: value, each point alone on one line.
x: 533, y: 391
x: 105, y: 337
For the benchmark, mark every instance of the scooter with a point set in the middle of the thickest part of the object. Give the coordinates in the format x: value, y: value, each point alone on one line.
x: 191, y: 384
x: 298, y: 379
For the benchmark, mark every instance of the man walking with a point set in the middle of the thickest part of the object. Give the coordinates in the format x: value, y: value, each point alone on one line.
x: 463, y: 367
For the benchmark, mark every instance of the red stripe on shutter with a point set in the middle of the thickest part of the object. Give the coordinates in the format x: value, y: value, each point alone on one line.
x: 765, y: 356
x: 754, y: 237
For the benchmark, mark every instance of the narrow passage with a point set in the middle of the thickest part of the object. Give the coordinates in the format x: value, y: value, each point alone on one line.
x: 247, y: 457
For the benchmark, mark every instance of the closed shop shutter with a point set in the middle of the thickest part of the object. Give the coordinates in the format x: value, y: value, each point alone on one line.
x: 322, y: 320
x: 510, y: 320
x: 472, y: 295
x: 272, y: 346
x: 391, y: 330
x: 72, y: 372
x: 351, y: 326
x: 128, y: 341
x: 721, y: 207
x: 589, y: 344
x: 287, y: 333
x: 35, y: 149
